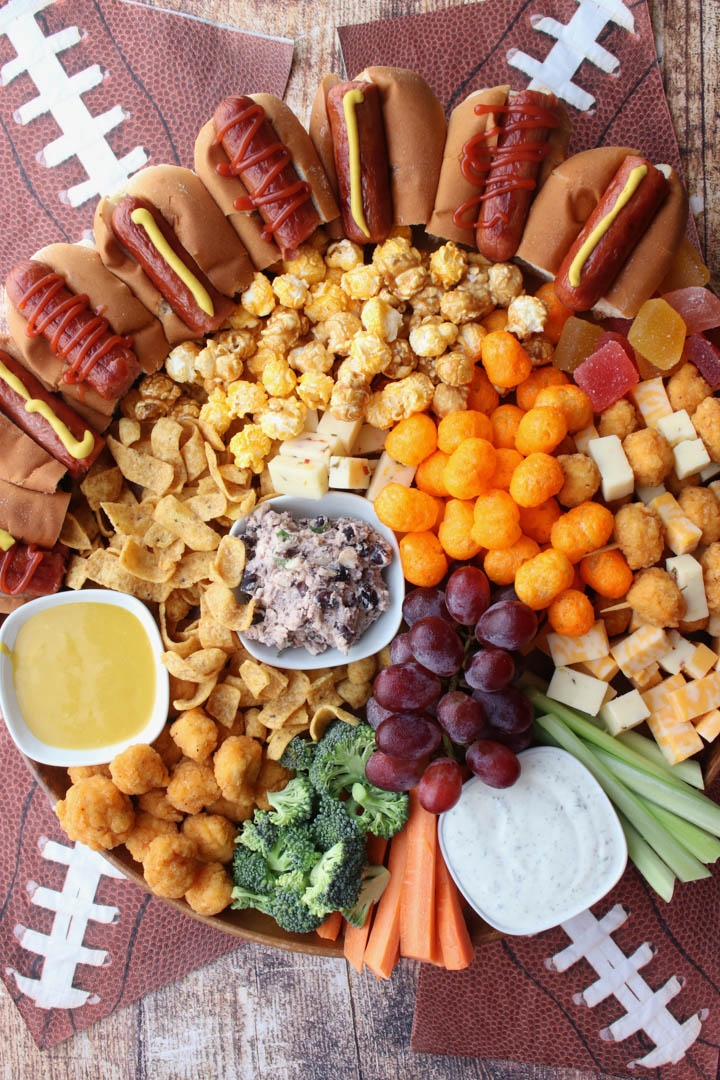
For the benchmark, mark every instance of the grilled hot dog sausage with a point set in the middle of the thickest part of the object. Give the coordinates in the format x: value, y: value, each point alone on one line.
x: 27, y: 571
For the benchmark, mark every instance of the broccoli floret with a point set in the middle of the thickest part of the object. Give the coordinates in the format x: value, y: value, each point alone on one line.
x: 335, y: 880
x: 259, y: 833
x: 382, y: 813
x: 244, y: 898
x: 332, y: 823
x: 294, y: 804
x: 373, y: 884
x: 250, y: 871
x: 294, y: 849
x: 289, y: 911
x: 299, y: 754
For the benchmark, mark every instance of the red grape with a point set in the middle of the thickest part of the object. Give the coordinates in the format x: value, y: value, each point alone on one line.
x: 436, y: 646
x: 462, y: 717
x: 420, y: 603
x: 408, y: 737
x: 375, y: 714
x: 495, y: 764
x: 441, y: 785
x: 406, y: 687
x: 509, y: 710
x: 400, y: 650
x: 467, y: 594
x: 393, y: 774
x: 517, y: 742
x: 509, y: 625
x: 507, y: 592
x: 490, y: 670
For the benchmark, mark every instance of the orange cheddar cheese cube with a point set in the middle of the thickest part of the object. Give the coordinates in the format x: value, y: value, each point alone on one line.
x: 697, y: 697
x: 708, y: 726
x: 637, y: 651
x: 677, y: 739
x: 574, y: 650
x: 681, y: 534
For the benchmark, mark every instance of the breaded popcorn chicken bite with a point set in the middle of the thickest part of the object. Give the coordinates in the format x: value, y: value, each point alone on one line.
x: 687, y: 389
x: 656, y: 598
x: 192, y: 786
x: 211, y: 891
x: 582, y: 479
x: 237, y: 766
x: 272, y: 777
x: 156, y: 804
x: 195, y: 734
x: 213, y: 836
x: 707, y: 424
x: 710, y: 562
x: 170, y: 866
x: 700, y: 505
x: 95, y: 812
x: 620, y: 419
x: 83, y: 772
x: 144, y: 831
x: 650, y: 456
x: 138, y: 770
x: 639, y: 533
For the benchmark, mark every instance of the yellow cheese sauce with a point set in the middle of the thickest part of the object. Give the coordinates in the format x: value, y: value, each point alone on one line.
x: 84, y: 675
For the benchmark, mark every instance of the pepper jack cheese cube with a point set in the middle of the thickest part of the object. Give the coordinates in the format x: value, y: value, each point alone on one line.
x: 651, y: 400
x: 388, y: 471
x: 617, y: 476
x: 677, y: 427
x: 371, y: 440
x: 697, y: 697
x: 346, y: 431
x: 577, y: 690
x: 681, y: 534
x: 639, y: 650
x: 291, y: 476
x: 708, y: 726
x: 310, y: 447
x: 582, y: 438
x: 573, y: 650
x: 659, y: 697
x: 677, y: 739
x: 625, y: 712
x: 690, y: 456
x: 349, y: 472
x: 688, y: 574
x: 603, y: 668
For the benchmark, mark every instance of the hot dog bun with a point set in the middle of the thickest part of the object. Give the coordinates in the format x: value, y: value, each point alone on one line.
x: 199, y: 225
x: 321, y: 136
x: 32, y: 517
x: 226, y: 189
x: 23, y: 462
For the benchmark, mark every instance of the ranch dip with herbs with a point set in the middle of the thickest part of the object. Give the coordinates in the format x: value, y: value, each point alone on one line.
x: 530, y: 856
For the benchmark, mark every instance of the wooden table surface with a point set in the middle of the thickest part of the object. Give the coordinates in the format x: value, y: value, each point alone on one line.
x: 260, y: 1013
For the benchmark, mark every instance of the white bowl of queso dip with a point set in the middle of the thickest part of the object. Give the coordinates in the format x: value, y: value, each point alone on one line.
x: 81, y: 677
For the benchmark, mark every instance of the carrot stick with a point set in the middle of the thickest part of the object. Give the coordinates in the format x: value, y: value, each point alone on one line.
x: 376, y: 848
x: 382, y: 947
x: 452, y: 932
x: 356, y: 936
x: 417, y: 904
x: 331, y: 927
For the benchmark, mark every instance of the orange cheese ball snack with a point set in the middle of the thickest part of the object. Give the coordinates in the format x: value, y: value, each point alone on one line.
x: 429, y: 476
x: 582, y: 530
x: 497, y: 520
x: 456, y: 529
x: 470, y: 469
x: 440, y: 514
x: 537, y: 521
x: 505, y: 423
x: 496, y: 320
x: 483, y: 396
x: 526, y: 393
x: 573, y: 402
x: 504, y: 359
x: 571, y: 613
x: 541, y: 429
x: 456, y: 427
x: 506, y: 462
x: 501, y: 565
x: 607, y: 573
x: 412, y: 440
x: 536, y: 479
x: 423, y: 559
x: 557, y: 313
x: 539, y: 580
x: 406, y: 509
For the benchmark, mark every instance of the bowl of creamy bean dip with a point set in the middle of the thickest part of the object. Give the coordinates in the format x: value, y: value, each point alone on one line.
x: 326, y: 578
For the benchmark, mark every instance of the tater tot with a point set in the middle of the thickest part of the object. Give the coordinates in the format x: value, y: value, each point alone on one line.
x: 536, y: 480
x: 539, y: 580
x: 237, y: 765
x: 170, y: 866
x: 650, y: 456
x: 211, y: 890
x: 196, y: 734
x: 639, y: 532
x: 213, y: 836
x: 138, y: 770
x: 582, y: 479
x: 582, y: 530
x: 656, y: 598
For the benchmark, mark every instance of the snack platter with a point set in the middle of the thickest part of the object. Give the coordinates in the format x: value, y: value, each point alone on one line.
x: 405, y: 433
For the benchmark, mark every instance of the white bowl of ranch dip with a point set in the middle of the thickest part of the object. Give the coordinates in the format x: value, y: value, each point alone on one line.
x: 531, y: 856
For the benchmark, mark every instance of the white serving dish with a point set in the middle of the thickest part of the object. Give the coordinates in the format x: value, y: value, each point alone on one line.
x: 334, y: 505
x: 575, y: 771
x: 23, y: 738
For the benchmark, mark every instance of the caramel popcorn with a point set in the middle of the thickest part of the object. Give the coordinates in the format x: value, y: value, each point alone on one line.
x: 380, y: 318
x: 455, y: 368
x: 526, y: 315
x: 326, y: 299
x: 180, y: 363
x: 308, y: 265
x: 447, y: 265
x: 282, y: 418
x: 505, y: 283
x: 449, y: 399
x: 403, y: 362
x: 250, y: 447
x: 311, y: 357
x: 369, y: 355
x: 344, y: 255
x: 341, y: 328
x: 284, y: 329
x: 467, y: 302
x: 469, y: 338
x: 314, y: 389
x: 400, y: 399
x: 259, y: 298
x: 216, y: 411
x: 348, y: 401
x: 291, y: 291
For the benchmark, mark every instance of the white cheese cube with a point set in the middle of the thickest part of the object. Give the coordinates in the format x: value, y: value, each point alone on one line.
x: 690, y: 456
x: 573, y: 650
x: 389, y: 471
x: 346, y: 431
x: 647, y: 494
x: 291, y: 476
x: 582, y: 438
x: 677, y: 427
x: 311, y: 420
x: 309, y: 447
x: 577, y: 690
x: 617, y: 476
x: 681, y: 534
x: 349, y: 473
x: 625, y: 712
x: 680, y: 652
x: 652, y: 401
x: 709, y: 471
x: 371, y: 440
x: 688, y: 574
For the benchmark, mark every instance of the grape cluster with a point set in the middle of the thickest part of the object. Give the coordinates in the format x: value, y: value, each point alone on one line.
x: 449, y: 690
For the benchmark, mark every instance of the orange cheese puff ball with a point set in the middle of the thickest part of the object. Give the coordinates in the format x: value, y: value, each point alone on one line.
x: 571, y: 613
x: 496, y: 320
x: 483, y: 396
x: 527, y: 392
x: 541, y: 429
x: 469, y: 470
x: 504, y: 359
x: 497, y: 520
x: 412, y: 440
x: 557, y: 313
x: 454, y: 428
x: 440, y: 505
x: 429, y: 473
x: 582, y: 530
x: 607, y: 573
x: 505, y: 423
x: 423, y: 559
x: 539, y: 580
x: 535, y: 480
x: 573, y: 402
x: 501, y: 565
x: 537, y: 521
x: 506, y: 462
x: 456, y: 528
x: 405, y: 509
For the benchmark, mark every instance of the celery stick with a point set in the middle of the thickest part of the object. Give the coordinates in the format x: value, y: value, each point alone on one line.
x: 701, y: 844
x: 658, y: 876
x: 689, y: 770
x: 680, y: 861
x: 689, y: 804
